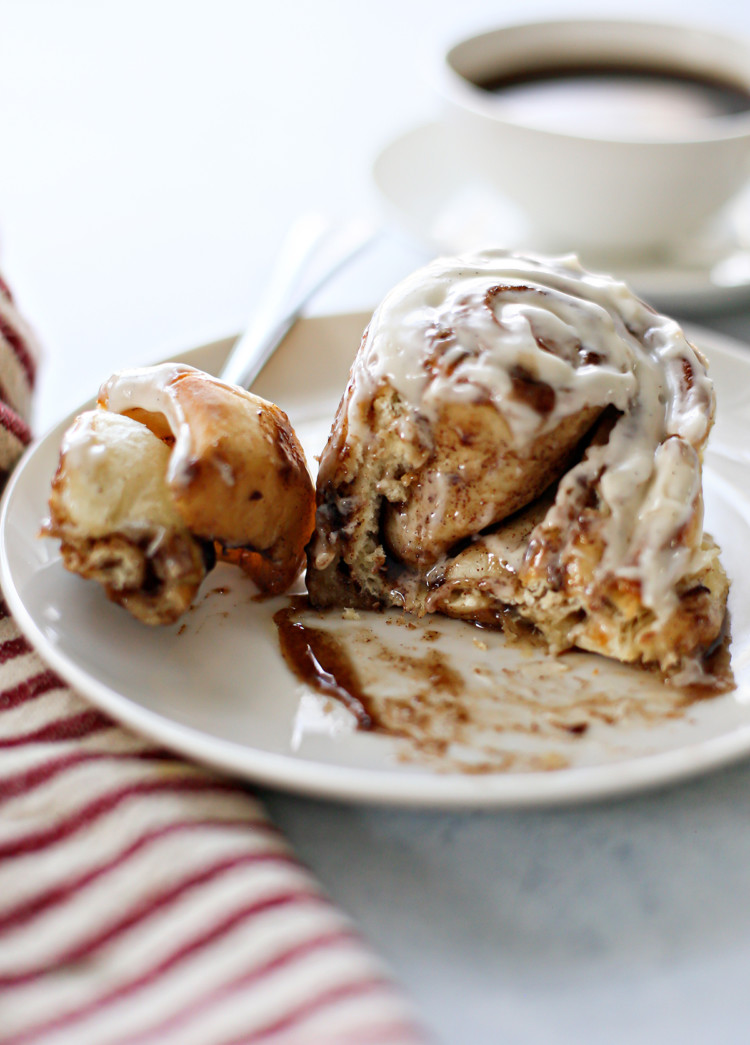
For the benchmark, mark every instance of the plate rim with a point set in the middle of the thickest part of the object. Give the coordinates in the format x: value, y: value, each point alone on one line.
x: 303, y: 775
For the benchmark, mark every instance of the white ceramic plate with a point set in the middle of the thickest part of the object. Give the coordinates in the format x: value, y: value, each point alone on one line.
x: 430, y: 192
x: 214, y: 686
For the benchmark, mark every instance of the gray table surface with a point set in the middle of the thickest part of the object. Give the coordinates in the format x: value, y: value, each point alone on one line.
x: 153, y: 154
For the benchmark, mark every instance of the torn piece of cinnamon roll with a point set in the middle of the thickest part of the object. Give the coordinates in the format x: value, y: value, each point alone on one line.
x: 237, y: 472
x: 173, y: 468
x: 522, y: 439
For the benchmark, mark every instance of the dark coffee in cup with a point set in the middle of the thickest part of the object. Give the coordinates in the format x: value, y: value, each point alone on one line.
x: 613, y: 99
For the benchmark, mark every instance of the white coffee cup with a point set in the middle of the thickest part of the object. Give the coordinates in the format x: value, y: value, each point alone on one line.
x: 621, y: 187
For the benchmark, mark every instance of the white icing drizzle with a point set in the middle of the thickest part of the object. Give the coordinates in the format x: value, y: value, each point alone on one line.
x: 461, y: 328
x: 149, y: 389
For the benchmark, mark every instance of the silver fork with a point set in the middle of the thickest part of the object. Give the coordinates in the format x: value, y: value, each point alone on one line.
x: 312, y: 253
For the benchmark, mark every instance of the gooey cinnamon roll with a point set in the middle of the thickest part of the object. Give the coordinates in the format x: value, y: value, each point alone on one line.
x: 521, y: 440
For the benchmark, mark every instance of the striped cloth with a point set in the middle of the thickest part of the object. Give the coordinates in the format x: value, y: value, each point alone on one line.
x: 143, y: 899
x: 18, y: 355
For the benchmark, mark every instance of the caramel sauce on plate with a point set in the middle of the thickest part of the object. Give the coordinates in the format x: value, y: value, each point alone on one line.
x: 459, y: 709
x: 319, y: 659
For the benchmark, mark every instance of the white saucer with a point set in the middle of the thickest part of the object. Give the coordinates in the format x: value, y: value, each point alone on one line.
x: 428, y: 192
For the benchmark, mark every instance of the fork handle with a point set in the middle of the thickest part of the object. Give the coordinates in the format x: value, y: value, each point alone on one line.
x: 312, y: 254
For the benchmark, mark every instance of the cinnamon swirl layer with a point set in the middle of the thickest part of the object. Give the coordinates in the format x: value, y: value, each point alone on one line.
x: 519, y: 433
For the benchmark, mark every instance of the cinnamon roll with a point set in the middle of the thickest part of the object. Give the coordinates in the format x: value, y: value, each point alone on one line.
x: 521, y: 440
x: 174, y: 468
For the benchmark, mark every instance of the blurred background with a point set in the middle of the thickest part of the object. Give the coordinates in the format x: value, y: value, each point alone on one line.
x: 155, y: 151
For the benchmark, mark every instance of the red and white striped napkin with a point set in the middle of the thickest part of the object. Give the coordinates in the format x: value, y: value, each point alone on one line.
x: 143, y: 899
x: 17, y: 372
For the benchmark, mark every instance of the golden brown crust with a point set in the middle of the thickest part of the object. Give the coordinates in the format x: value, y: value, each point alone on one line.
x: 263, y: 516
